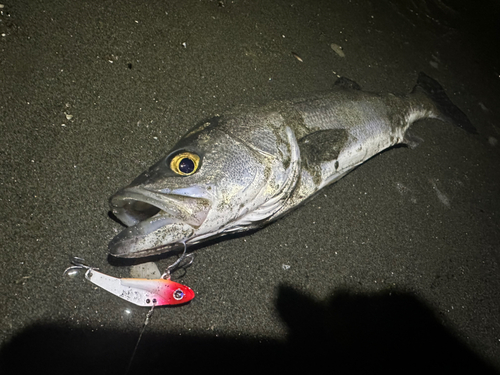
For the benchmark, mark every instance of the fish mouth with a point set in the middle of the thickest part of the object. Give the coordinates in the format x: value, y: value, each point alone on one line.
x: 156, y: 222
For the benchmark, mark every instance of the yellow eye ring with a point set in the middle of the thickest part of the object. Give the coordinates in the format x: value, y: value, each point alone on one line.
x: 185, y: 163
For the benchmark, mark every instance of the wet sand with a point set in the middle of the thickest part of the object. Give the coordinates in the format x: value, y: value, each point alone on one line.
x: 395, y: 267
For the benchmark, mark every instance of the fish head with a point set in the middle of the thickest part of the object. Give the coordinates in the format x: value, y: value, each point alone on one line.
x: 205, y: 187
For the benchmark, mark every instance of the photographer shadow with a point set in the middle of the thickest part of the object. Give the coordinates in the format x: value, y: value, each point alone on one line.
x: 387, y: 333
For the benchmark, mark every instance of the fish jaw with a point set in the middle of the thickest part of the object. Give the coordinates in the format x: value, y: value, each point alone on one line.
x: 157, y: 222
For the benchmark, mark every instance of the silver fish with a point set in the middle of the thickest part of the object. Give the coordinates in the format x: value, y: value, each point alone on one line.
x: 248, y: 168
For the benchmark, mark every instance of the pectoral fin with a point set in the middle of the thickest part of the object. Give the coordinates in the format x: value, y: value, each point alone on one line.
x: 320, y: 147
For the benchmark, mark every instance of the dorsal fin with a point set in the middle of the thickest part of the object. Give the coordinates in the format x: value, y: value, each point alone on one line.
x: 346, y: 83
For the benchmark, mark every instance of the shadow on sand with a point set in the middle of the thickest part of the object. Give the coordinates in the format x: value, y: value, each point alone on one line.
x: 386, y: 333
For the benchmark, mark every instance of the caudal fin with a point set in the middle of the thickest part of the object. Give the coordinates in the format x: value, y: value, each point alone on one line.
x: 448, y: 111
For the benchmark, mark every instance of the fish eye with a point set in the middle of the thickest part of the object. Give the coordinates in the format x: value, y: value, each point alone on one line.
x: 185, y: 163
x: 178, y: 294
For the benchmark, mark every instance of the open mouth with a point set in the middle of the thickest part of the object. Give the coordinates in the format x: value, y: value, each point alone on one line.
x: 156, y: 222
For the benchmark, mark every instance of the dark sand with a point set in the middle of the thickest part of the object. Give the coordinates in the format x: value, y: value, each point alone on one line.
x: 395, y: 268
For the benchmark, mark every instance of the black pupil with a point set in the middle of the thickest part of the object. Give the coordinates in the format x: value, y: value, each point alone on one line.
x: 186, y: 165
x: 178, y: 294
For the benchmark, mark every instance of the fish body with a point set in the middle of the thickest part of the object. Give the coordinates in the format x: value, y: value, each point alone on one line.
x: 245, y: 169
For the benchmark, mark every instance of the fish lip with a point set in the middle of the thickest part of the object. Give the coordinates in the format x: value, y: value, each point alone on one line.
x: 145, y: 212
x: 120, y: 252
x: 132, y: 205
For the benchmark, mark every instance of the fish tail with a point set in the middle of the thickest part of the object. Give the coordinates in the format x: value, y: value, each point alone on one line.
x: 448, y: 111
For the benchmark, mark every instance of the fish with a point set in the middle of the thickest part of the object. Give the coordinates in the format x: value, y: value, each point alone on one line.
x: 249, y: 167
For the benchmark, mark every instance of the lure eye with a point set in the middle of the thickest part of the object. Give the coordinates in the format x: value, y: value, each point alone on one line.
x: 178, y: 295
x: 185, y: 163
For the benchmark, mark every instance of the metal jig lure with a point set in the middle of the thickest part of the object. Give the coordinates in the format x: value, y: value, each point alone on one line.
x: 142, y: 292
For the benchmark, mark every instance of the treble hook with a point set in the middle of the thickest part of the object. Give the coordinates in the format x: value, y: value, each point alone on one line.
x: 78, y: 264
x: 173, y: 266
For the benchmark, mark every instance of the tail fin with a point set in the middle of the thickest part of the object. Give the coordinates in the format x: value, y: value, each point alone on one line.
x: 448, y: 111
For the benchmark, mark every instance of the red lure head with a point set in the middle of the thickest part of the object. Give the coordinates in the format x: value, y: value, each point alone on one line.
x: 172, y: 293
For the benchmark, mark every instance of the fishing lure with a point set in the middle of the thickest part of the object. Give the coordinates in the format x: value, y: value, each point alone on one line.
x: 141, y: 292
